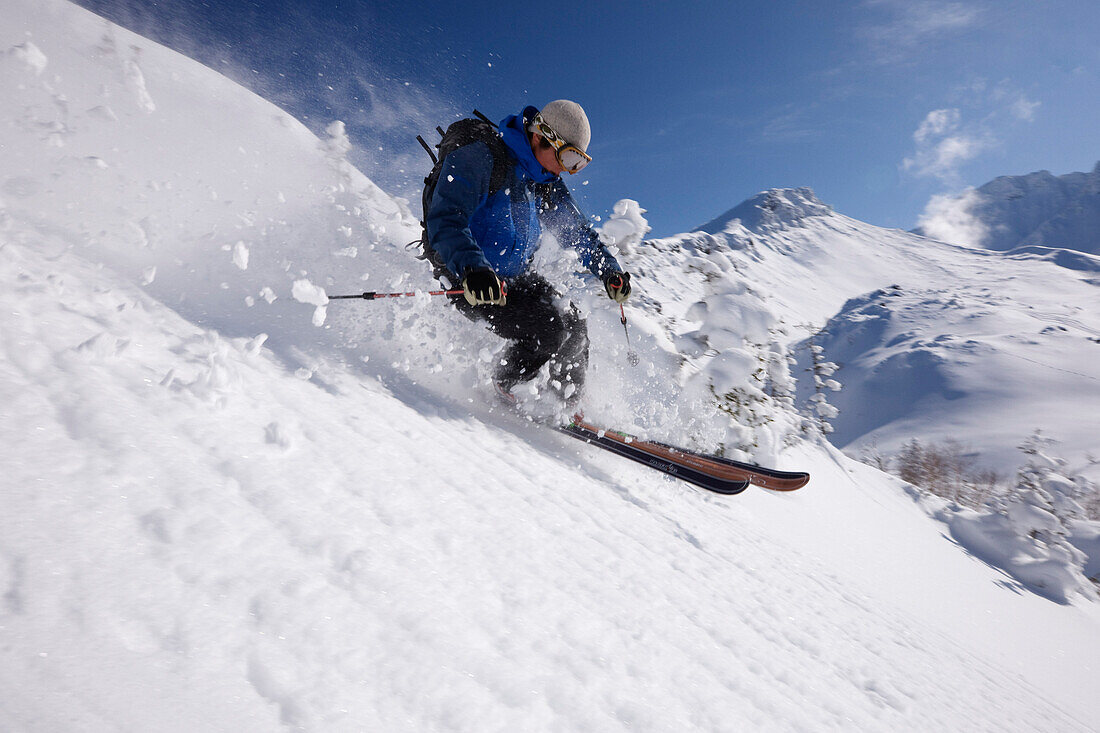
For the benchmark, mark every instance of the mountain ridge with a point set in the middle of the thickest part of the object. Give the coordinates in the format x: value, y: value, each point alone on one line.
x: 1016, y: 327
x: 1035, y: 209
x: 770, y: 209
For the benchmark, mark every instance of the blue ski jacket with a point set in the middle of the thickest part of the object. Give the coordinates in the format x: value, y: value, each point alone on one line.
x: 469, y: 227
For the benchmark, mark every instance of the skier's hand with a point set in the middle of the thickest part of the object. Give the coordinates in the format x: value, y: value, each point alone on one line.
x: 617, y: 285
x: 482, y: 286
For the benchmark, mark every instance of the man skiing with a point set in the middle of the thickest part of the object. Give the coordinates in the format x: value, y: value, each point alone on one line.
x: 492, y: 199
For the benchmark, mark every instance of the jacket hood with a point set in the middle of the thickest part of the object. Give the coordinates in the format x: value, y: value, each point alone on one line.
x: 513, y: 129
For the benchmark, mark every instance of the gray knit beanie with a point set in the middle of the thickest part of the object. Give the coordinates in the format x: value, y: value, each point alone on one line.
x: 569, y: 121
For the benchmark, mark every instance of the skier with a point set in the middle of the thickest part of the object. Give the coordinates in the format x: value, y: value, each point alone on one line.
x: 483, y: 220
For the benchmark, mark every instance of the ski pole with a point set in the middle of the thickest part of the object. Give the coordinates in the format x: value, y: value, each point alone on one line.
x: 378, y: 296
x: 631, y: 354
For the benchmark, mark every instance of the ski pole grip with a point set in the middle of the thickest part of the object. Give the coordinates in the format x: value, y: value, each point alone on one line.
x: 361, y: 296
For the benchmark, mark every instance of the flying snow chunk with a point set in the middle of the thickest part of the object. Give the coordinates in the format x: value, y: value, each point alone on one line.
x: 240, y: 255
x: 255, y: 344
x: 306, y: 292
x: 337, y: 144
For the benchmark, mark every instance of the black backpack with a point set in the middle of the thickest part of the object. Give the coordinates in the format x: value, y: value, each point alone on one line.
x: 459, y: 134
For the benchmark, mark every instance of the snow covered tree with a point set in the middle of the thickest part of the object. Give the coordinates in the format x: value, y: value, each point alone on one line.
x: 822, y: 370
x: 1033, y: 531
x: 739, y: 364
x: 1040, y: 483
x: 626, y: 227
x: 1091, y: 499
x: 781, y: 382
x: 738, y: 377
x: 1039, y: 508
x: 873, y: 456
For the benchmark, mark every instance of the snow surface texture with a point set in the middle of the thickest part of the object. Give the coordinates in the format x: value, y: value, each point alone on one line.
x: 231, y: 504
x: 1022, y: 212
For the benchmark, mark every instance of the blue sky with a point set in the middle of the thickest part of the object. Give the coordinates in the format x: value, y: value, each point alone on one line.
x: 876, y: 104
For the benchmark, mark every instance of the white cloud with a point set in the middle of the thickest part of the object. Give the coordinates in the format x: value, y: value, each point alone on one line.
x: 944, y: 140
x: 937, y: 122
x: 929, y: 18
x: 791, y: 126
x: 913, y: 24
x: 942, y: 146
x: 951, y: 218
x: 1023, y: 108
x: 952, y: 151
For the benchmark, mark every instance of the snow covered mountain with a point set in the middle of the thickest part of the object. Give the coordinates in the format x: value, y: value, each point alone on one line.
x: 934, y: 341
x: 229, y: 503
x: 1034, y: 211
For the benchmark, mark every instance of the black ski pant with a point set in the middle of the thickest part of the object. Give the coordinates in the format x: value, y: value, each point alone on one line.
x: 541, y: 328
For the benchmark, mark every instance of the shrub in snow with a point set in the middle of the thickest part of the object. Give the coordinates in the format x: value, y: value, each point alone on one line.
x: 944, y: 469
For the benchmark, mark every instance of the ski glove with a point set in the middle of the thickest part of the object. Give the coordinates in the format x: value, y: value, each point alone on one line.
x: 617, y: 285
x: 482, y: 286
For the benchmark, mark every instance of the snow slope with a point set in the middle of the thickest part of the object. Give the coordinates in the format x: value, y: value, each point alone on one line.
x: 226, y: 508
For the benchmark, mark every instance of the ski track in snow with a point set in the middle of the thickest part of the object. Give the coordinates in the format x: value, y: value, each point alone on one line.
x: 220, y: 514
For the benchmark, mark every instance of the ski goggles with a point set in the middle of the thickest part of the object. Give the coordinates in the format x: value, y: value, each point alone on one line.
x: 569, y: 156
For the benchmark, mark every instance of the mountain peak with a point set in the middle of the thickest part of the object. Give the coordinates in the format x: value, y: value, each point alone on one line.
x: 771, y: 209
